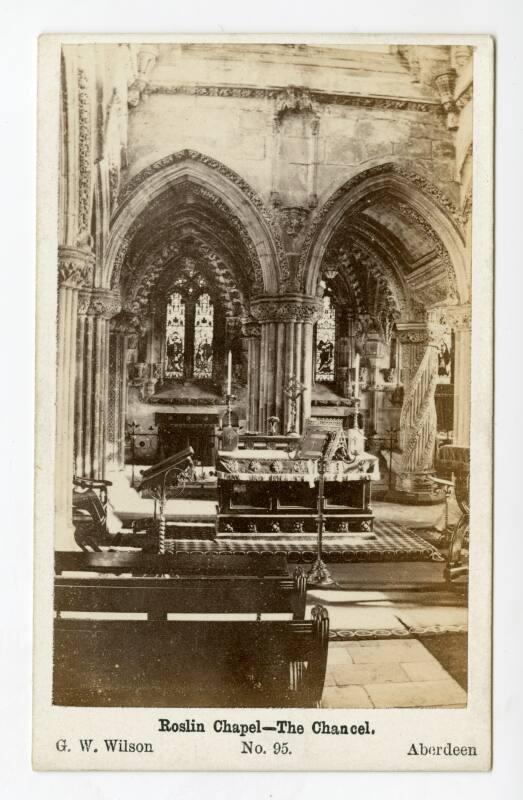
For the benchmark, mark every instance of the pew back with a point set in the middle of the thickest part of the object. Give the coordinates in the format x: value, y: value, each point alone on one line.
x: 190, y: 663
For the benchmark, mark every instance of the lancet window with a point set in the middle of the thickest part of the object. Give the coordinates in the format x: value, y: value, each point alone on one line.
x: 189, y: 335
x: 326, y: 342
x: 175, y: 337
x: 203, y: 337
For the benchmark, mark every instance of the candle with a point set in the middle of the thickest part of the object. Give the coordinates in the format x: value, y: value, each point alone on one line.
x: 357, y: 376
x: 229, y: 373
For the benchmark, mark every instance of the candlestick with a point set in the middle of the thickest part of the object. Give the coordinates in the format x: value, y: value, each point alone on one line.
x: 229, y: 373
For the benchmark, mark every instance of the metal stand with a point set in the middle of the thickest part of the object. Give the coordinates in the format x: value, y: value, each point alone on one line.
x: 159, y: 495
x: 229, y: 435
x: 319, y: 576
x: 132, y: 432
x: 294, y: 389
x: 229, y: 400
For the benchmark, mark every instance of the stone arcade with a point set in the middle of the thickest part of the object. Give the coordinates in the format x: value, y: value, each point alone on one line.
x: 234, y: 218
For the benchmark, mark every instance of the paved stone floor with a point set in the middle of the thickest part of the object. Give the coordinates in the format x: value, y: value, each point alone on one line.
x: 374, y: 673
x: 400, y: 673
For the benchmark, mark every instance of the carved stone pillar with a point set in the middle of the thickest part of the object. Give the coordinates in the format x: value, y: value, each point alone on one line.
x: 418, y: 423
x: 286, y: 336
x: 252, y: 332
x: 458, y: 320
x: 92, y: 386
x: 74, y: 272
x: 374, y: 350
x: 121, y: 327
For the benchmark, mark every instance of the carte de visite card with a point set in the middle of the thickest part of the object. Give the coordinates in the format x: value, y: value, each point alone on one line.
x: 242, y: 240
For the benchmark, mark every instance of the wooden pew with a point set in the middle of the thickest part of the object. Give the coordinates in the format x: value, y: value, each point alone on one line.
x: 161, y: 584
x: 190, y: 664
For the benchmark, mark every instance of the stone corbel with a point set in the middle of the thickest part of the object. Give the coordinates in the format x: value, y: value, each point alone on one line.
x: 104, y: 303
x: 146, y: 57
x: 445, y: 84
x: 295, y: 100
x: 293, y: 221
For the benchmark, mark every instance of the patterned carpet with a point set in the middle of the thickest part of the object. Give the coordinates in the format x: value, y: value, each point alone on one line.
x: 391, y: 542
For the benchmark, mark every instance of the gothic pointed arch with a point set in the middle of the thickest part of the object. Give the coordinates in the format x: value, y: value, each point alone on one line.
x: 399, y: 203
x: 208, y: 183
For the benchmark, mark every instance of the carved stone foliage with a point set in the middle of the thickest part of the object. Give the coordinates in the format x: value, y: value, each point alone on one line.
x: 286, y: 308
x: 251, y: 328
x: 419, y: 181
x: 212, y: 199
x: 126, y: 324
x: 293, y: 220
x: 220, y: 168
x: 467, y: 207
x: 230, y: 232
x: 452, y: 317
x: 99, y: 303
x: 371, y: 285
x: 187, y: 265
x: 114, y: 183
x: 75, y: 267
x: 84, y: 155
x: 432, y: 293
x: 280, y: 95
x: 240, y: 228
x: 295, y: 100
x: 411, y: 214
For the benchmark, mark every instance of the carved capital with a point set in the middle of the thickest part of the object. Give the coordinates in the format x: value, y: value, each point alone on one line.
x: 251, y: 329
x: 414, y: 333
x: 75, y: 267
x: 126, y: 324
x: 286, y: 308
x: 101, y: 303
x: 458, y: 318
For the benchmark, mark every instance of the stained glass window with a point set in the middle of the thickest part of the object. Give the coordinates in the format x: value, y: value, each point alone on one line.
x: 175, y: 336
x: 325, y: 341
x: 203, y: 337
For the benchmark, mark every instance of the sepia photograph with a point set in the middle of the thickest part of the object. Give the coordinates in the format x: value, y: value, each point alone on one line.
x: 264, y: 291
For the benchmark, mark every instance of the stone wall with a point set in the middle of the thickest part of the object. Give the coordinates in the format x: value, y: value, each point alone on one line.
x: 241, y: 133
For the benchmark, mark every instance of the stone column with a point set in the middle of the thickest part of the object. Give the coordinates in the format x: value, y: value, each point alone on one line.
x: 121, y: 327
x: 74, y: 271
x: 418, y: 423
x: 458, y: 319
x: 286, y: 336
x: 252, y: 332
x: 97, y: 307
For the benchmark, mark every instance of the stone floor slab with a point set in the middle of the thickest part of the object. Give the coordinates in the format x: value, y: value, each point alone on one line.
x: 329, y: 678
x: 338, y: 655
x: 424, y: 694
x: 348, y: 697
x: 425, y: 671
x: 395, y: 651
x: 366, y: 674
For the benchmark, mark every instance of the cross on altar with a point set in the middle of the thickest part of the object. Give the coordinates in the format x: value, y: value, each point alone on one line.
x: 293, y: 390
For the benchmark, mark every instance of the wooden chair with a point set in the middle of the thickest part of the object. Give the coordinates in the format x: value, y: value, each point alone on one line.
x: 90, y: 513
